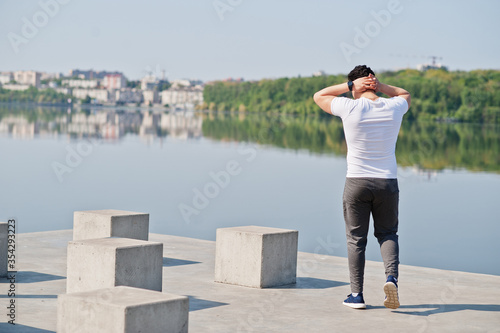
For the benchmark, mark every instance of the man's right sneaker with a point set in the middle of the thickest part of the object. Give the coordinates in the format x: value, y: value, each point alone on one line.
x: 355, y: 302
x: 391, y: 293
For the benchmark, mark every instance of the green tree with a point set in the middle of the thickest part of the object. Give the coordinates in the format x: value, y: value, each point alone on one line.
x: 436, y: 94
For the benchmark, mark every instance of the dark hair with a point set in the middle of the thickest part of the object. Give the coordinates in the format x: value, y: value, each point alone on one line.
x: 359, y: 71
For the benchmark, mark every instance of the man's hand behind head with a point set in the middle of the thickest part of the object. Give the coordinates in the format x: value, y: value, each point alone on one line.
x: 375, y: 80
x: 365, y: 83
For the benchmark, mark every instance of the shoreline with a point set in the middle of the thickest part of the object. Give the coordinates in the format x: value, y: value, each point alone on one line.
x: 157, y: 107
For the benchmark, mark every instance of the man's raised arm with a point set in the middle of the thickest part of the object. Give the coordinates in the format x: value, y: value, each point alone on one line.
x: 325, y: 96
x: 392, y: 91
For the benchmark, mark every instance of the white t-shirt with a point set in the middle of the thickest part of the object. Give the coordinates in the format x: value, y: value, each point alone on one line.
x: 371, y: 129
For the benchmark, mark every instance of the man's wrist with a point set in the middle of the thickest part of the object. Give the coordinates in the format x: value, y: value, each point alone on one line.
x: 381, y: 87
x: 350, y: 85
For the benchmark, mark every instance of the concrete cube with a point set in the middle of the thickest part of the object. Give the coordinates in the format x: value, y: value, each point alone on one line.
x: 110, y: 223
x: 3, y: 248
x: 255, y: 256
x: 122, y: 310
x: 109, y: 262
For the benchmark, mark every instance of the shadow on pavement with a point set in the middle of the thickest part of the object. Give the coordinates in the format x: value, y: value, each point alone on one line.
x: 168, y: 262
x: 312, y: 283
x: 31, y: 277
x: 28, y: 296
x: 201, y: 304
x: 430, y: 309
x: 18, y: 328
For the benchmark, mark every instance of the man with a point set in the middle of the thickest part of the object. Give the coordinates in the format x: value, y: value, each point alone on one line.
x: 371, y: 127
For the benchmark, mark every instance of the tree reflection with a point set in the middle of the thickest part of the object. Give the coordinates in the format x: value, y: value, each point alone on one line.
x: 434, y: 146
x: 424, y: 145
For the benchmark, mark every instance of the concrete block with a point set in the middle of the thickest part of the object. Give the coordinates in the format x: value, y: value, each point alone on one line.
x: 255, y: 256
x: 110, y: 223
x: 3, y: 248
x: 109, y: 262
x: 122, y: 310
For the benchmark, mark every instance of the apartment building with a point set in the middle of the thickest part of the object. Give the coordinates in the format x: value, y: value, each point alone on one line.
x: 114, y: 81
x: 30, y: 78
x: 191, y: 95
x: 86, y: 84
x: 101, y: 95
x: 5, y: 78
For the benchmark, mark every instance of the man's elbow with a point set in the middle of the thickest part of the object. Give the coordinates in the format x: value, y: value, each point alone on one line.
x: 407, y: 97
x: 317, y: 97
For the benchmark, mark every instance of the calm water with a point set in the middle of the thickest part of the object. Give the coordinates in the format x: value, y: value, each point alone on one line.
x: 196, y: 172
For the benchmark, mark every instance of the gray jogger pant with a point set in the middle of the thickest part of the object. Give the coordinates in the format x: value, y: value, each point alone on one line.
x: 380, y: 197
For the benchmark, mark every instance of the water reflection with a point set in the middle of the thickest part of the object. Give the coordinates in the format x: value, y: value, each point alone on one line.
x: 280, y: 188
x: 28, y: 123
x: 425, y: 147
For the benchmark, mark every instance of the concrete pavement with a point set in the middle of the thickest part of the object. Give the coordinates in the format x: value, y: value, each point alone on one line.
x: 432, y: 300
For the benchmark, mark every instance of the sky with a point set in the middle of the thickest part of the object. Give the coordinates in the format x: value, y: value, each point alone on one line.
x: 217, y: 39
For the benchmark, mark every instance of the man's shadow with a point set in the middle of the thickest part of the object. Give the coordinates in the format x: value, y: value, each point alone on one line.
x: 431, y: 309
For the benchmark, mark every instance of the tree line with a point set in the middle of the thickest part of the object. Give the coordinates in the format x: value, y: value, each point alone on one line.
x: 472, y: 96
x: 33, y: 95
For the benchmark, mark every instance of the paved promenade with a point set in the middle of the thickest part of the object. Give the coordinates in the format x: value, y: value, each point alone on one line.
x: 432, y: 300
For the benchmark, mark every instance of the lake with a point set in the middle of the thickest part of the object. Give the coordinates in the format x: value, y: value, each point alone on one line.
x: 195, y: 172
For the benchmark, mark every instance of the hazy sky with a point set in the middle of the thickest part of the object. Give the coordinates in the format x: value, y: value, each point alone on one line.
x: 253, y: 39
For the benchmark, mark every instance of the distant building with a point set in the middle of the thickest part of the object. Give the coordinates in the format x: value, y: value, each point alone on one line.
x: 319, y: 73
x: 149, y: 82
x: 6, y: 78
x: 114, y: 81
x: 426, y: 67
x: 185, y: 83
x: 66, y: 91
x: 50, y: 76
x: 18, y: 87
x: 127, y: 95
x: 181, y: 83
x: 75, y: 83
x: 151, y: 97
x: 182, y: 96
x: 101, y: 95
x: 433, y: 65
x: 76, y: 73
x: 230, y: 79
x: 31, y: 78
x: 89, y: 74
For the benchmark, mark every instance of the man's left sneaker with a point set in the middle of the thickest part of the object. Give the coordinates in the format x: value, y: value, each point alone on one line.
x: 391, y: 293
x: 355, y: 302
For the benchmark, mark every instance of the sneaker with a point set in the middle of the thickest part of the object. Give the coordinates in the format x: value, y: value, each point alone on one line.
x: 391, y: 293
x: 355, y: 302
